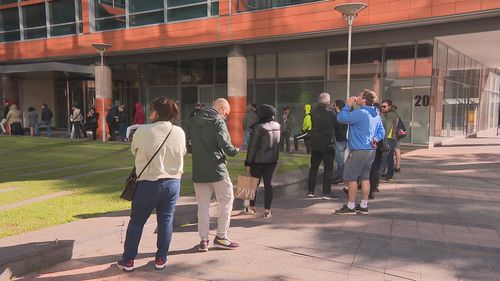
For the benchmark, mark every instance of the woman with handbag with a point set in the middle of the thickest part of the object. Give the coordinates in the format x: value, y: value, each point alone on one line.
x: 159, y: 149
x: 263, y: 153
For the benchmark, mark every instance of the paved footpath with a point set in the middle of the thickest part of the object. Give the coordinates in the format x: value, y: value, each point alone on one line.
x: 439, y: 221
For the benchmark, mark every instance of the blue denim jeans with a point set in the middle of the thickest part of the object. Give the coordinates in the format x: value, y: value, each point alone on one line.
x: 246, y: 138
x: 340, y: 148
x: 162, y: 195
x: 388, y: 159
x: 43, y: 123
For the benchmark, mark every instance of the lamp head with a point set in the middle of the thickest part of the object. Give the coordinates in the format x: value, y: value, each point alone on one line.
x: 351, y: 9
x: 101, y: 47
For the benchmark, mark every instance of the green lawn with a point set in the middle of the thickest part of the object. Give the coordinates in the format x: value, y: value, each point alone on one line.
x: 93, y: 173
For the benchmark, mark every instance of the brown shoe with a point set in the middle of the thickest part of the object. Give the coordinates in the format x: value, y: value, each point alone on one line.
x: 203, y: 247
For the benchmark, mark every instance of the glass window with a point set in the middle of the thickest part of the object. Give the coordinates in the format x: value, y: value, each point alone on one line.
x: 365, y: 63
x: 111, y: 23
x: 9, y: 19
x: 189, y: 12
x: 172, y: 3
x: 214, y: 8
x: 62, y: 11
x: 109, y: 14
x: 307, y: 65
x: 265, y: 94
x: 34, y: 16
x: 62, y: 14
x: 3, y: 2
x: 250, y: 68
x: 442, y: 56
x: 266, y: 67
x: 34, y: 21
x: 196, y: 72
x: 9, y: 25
x: 109, y: 8
x: 144, y: 5
x: 452, y: 65
x: 146, y: 18
x: 295, y: 95
x: 159, y: 74
x: 400, y: 61
x: 221, y: 71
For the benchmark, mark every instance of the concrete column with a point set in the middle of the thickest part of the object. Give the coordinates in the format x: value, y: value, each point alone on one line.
x: 237, y: 92
x: 103, y: 97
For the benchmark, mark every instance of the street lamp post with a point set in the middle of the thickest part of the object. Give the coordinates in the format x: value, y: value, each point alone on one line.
x: 350, y: 12
x: 101, y: 48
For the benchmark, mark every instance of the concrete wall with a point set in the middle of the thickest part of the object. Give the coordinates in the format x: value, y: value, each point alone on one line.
x: 35, y: 90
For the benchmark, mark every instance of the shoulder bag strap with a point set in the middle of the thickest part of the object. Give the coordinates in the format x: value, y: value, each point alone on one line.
x: 156, y: 152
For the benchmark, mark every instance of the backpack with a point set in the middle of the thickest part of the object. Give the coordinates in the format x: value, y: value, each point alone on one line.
x: 401, y: 129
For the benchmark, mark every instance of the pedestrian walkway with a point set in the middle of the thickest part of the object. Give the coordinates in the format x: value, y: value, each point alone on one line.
x: 440, y: 220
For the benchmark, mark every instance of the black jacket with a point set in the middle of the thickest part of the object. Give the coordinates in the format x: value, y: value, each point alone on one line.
x: 92, y: 120
x: 341, y: 132
x: 263, y: 146
x: 324, y: 124
x: 46, y: 114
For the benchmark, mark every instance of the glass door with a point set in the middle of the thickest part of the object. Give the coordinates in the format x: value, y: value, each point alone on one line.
x: 206, y: 95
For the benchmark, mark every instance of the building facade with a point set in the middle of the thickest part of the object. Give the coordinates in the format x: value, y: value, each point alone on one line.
x: 254, y: 51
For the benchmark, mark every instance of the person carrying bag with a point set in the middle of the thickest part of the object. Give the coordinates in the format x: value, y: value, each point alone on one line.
x: 263, y: 154
x: 159, y: 150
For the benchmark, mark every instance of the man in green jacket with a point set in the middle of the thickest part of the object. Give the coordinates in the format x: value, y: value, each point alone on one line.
x: 390, y: 118
x: 210, y: 143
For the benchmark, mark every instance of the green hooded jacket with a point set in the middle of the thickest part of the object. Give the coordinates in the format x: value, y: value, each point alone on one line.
x: 307, y: 124
x: 210, y: 143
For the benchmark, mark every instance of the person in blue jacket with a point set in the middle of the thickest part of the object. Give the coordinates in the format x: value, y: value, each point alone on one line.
x: 365, y: 130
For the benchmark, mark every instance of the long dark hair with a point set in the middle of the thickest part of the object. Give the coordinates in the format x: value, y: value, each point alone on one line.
x: 167, y: 109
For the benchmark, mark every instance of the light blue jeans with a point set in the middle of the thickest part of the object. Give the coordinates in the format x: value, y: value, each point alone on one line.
x: 340, y: 148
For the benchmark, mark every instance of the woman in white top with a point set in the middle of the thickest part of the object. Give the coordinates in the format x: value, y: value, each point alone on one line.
x: 159, y: 185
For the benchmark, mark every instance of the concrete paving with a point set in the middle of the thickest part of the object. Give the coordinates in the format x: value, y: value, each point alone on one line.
x: 439, y: 221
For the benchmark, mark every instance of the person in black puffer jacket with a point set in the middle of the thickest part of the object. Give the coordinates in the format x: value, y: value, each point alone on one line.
x: 263, y: 153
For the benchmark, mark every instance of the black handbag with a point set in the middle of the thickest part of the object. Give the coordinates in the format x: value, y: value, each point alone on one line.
x: 131, y: 181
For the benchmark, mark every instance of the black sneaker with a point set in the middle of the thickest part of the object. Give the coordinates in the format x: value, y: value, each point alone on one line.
x: 330, y: 196
x: 345, y: 211
x: 362, y: 211
x: 346, y: 190
x: 125, y: 265
x: 338, y: 180
x: 371, y: 196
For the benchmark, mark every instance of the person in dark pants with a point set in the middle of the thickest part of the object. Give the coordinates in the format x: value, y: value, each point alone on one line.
x: 286, y: 123
x: 306, y: 128
x: 46, y: 116
x: 374, y: 171
x: 263, y: 153
x: 110, y: 119
x: 92, y: 123
x: 324, y: 124
x: 159, y: 185
x: 340, y: 144
x: 121, y: 121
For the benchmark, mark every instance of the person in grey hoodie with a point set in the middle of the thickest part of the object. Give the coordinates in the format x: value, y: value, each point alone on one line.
x: 210, y: 143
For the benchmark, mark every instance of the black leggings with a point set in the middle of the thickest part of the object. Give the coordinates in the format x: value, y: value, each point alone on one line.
x: 266, y: 171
